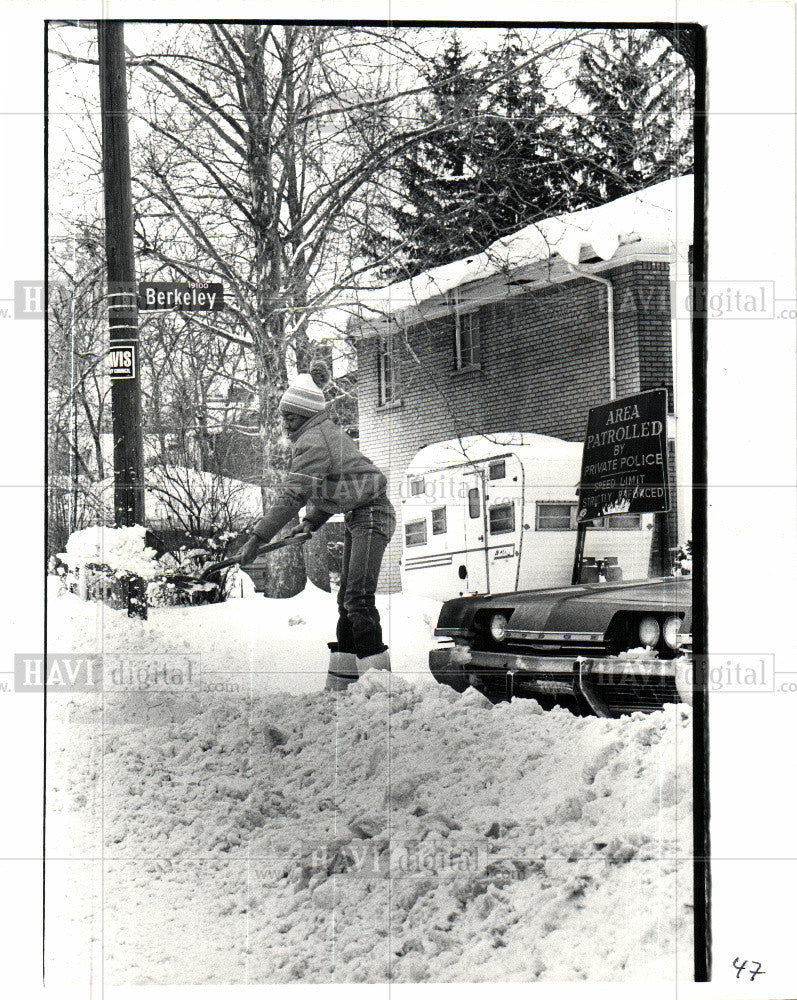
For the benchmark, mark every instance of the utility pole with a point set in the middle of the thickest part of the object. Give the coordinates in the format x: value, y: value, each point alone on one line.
x: 123, y: 347
x: 123, y: 355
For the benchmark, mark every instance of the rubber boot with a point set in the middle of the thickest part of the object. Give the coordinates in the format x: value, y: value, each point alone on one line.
x: 377, y: 661
x: 342, y: 669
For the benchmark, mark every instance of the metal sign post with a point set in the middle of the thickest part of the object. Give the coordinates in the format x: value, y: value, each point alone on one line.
x: 624, y: 463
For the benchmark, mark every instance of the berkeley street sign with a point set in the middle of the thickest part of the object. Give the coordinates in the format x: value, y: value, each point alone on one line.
x: 188, y: 296
x: 624, y: 466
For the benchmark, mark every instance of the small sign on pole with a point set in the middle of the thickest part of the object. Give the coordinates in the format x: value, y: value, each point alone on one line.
x: 122, y: 359
x: 624, y: 464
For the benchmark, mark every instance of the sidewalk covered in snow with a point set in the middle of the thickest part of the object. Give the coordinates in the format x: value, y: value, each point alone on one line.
x: 261, y: 830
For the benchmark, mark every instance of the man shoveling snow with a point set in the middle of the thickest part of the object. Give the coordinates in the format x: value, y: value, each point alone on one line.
x: 328, y: 475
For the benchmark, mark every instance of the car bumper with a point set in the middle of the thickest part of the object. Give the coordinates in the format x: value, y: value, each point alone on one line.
x: 609, y: 685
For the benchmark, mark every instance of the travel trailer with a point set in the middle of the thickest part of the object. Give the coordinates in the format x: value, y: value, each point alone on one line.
x: 495, y: 513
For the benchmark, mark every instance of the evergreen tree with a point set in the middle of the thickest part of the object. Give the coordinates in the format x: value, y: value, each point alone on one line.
x: 436, y: 181
x: 637, y: 127
x: 522, y: 161
x: 516, y: 156
x: 502, y: 166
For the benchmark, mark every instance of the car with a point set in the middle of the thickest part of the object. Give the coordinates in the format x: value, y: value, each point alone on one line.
x: 599, y: 648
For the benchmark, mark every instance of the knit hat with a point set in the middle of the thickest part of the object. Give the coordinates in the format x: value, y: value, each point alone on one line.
x: 303, y: 397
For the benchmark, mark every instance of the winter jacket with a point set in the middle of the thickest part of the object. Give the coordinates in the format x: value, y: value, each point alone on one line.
x: 328, y: 475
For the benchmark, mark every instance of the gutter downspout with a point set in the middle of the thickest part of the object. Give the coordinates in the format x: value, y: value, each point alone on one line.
x: 575, y: 269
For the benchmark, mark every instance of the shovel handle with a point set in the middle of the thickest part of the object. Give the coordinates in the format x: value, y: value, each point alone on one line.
x: 290, y: 540
x: 270, y: 547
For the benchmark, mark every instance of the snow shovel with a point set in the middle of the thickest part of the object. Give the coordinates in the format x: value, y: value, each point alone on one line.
x: 191, y: 584
x: 271, y: 547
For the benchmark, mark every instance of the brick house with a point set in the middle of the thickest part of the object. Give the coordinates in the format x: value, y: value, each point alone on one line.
x: 518, y: 338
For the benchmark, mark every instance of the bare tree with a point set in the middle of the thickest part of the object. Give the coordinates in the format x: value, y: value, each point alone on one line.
x: 260, y: 151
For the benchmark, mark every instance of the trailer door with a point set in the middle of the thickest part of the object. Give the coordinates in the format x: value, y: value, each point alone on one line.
x: 504, y: 488
x: 477, y: 580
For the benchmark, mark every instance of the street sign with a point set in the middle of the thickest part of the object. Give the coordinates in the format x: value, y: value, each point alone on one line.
x: 187, y: 296
x: 122, y: 359
x: 624, y: 465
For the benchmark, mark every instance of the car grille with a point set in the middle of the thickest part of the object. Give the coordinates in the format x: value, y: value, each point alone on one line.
x: 627, y: 695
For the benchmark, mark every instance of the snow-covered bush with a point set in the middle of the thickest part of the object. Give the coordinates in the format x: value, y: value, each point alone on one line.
x: 683, y: 560
x: 122, y: 550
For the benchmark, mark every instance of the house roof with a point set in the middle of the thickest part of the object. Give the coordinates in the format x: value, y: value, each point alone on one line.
x: 660, y: 214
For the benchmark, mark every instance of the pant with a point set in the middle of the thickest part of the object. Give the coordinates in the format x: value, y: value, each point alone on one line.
x: 367, y: 530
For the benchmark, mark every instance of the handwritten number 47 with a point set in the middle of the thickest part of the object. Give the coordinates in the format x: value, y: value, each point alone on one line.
x: 753, y: 972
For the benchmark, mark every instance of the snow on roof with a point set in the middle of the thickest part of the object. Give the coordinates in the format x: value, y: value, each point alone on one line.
x: 661, y: 213
x: 482, y: 447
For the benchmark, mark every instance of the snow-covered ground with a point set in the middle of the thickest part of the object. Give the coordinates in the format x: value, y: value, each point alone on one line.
x: 257, y: 829
x: 254, y: 644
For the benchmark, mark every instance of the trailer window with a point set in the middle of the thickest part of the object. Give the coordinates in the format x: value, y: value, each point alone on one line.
x: 417, y: 487
x: 474, y: 504
x: 619, y: 522
x: 415, y: 533
x: 497, y: 470
x: 439, y: 521
x: 556, y: 516
x: 562, y: 517
x: 502, y: 518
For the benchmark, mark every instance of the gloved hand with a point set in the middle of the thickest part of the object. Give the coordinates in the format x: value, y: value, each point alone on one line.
x: 248, y: 552
x: 302, y: 528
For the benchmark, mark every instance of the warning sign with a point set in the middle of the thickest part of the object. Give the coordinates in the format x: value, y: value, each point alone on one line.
x: 624, y: 468
x: 122, y: 359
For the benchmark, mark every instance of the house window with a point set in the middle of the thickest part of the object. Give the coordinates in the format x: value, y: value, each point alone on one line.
x: 502, y: 518
x: 474, y: 504
x: 556, y: 516
x: 415, y: 533
x: 387, y: 373
x: 467, y: 346
x: 439, y: 521
x: 497, y: 470
x: 417, y: 487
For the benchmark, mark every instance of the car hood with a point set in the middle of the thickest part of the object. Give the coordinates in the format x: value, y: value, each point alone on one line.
x: 584, y: 608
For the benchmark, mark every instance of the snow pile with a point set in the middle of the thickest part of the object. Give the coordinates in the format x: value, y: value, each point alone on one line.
x: 393, y: 832
x: 120, y: 549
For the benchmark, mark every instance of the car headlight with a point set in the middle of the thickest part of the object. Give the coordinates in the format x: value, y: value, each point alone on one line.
x: 649, y: 631
x: 498, y: 627
x: 670, y: 631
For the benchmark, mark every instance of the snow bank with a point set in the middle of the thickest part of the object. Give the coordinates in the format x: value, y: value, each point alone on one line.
x: 236, y: 833
x: 121, y: 549
x: 397, y: 832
